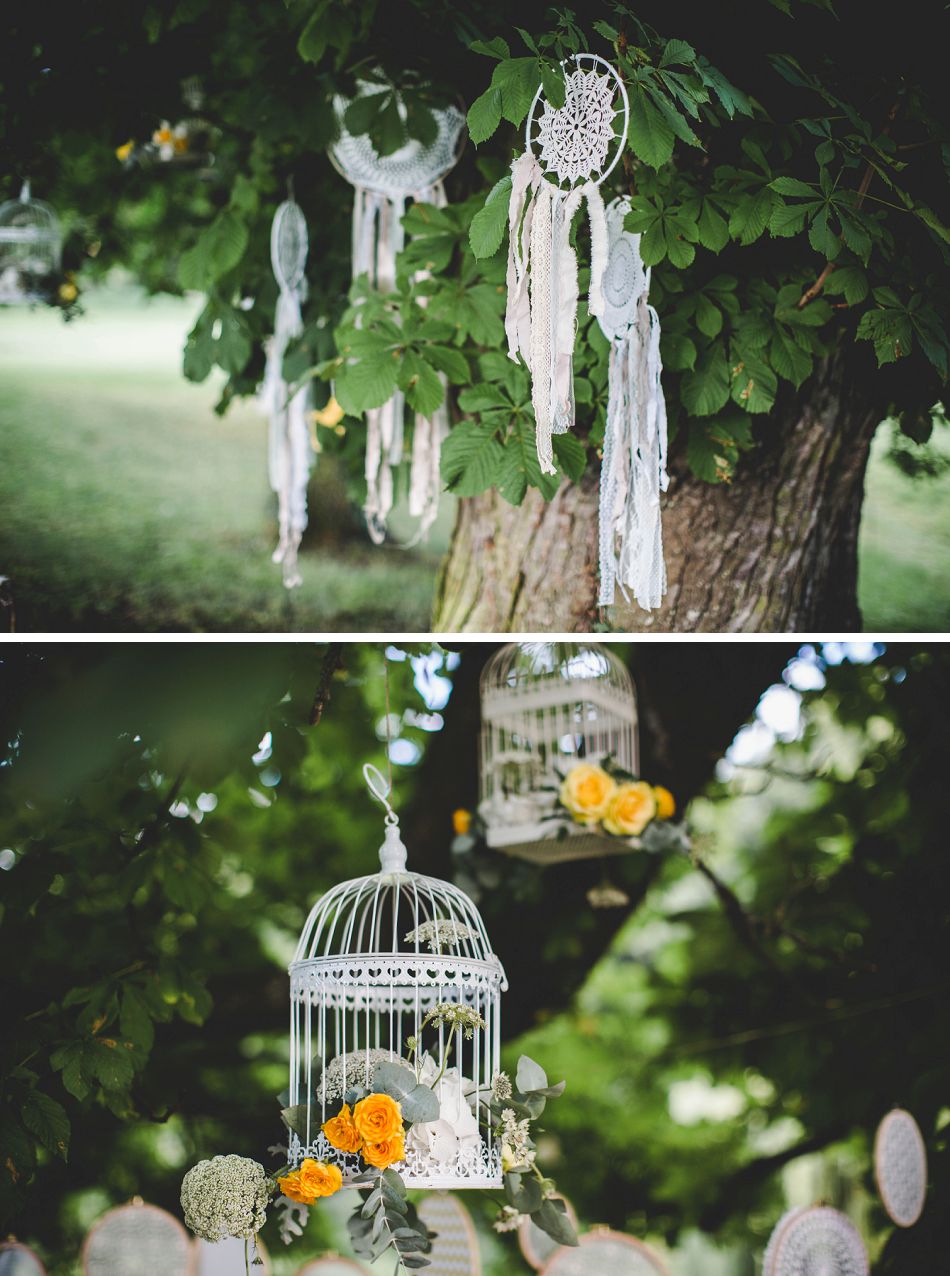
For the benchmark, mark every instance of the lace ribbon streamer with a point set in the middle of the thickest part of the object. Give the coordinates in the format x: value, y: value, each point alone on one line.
x: 541, y: 311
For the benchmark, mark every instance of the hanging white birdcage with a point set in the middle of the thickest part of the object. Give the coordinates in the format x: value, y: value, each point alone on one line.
x: 397, y: 969
x: 31, y: 243
x: 547, y: 706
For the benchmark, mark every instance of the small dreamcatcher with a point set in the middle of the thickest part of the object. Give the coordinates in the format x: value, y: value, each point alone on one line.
x: 816, y: 1239
x: 290, y: 453
x: 900, y: 1167
x: 633, y: 473
x: 569, y: 151
x: 383, y: 185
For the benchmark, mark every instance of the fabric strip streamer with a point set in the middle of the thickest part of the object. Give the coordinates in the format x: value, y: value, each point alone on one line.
x: 383, y: 186
x: 633, y: 472
x: 290, y: 453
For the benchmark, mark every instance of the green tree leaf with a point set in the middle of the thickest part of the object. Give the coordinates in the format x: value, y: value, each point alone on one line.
x: 488, y: 226
x: 47, y: 1119
x: 472, y: 457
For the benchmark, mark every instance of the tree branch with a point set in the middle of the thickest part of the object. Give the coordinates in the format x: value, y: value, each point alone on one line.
x: 332, y: 661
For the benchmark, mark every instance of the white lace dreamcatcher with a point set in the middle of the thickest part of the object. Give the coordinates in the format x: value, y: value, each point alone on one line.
x: 633, y: 473
x: 573, y: 144
x: 290, y: 454
x: 383, y: 186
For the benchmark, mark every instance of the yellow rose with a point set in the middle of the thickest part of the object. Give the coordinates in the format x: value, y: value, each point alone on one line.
x: 341, y: 1131
x: 162, y: 136
x: 311, y: 1180
x: 385, y: 1152
x: 377, y: 1118
x: 461, y: 821
x: 125, y: 150
x: 631, y: 809
x: 331, y: 415
x: 68, y: 292
x: 586, y: 791
x: 665, y: 802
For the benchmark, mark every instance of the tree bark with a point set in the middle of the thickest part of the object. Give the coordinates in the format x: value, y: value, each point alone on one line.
x: 774, y: 551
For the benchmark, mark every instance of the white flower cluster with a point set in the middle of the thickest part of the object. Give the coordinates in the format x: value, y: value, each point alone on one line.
x: 456, y: 1016
x: 515, y: 1140
x: 439, y: 933
x: 501, y: 1086
x: 508, y: 1220
x: 359, y: 1066
x: 226, y: 1196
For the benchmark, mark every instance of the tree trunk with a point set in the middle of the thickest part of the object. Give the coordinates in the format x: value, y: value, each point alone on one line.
x: 775, y: 551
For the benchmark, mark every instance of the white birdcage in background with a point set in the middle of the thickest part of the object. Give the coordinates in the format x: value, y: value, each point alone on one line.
x: 375, y: 957
x: 31, y: 243
x: 545, y: 707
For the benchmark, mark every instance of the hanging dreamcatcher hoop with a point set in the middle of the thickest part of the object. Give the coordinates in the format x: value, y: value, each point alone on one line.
x: 290, y: 452
x: 573, y: 141
x: 900, y: 1167
x: 816, y: 1238
x: 383, y: 185
x: 569, y: 151
x: 633, y: 473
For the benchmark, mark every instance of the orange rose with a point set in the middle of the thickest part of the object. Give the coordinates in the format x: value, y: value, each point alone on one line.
x: 631, y: 809
x: 312, y: 1180
x: 341, y: 1131
x: 665, y: 802
x: 385, y: 1152
x: 377, y: 1117
x: 586, y: 791
x: 461, y: 821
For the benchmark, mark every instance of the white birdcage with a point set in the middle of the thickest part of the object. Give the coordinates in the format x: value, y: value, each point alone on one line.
x: 376, y: 956
x: 31, y: 243
x: 545, y: 707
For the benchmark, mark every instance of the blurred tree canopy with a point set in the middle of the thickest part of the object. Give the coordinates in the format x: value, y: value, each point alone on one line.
x: 169, y: 815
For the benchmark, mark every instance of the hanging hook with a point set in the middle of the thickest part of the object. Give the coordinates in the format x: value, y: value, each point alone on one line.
x: 392, y: 853
x: 380, y: 789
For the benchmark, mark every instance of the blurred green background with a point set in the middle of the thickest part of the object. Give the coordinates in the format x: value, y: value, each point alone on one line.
x: 729, y: 1041
x: 126, y: 504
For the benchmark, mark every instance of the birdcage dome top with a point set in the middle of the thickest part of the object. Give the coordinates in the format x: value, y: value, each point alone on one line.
x: 396, y: 912
x: 547, y: 670
x: 27, y: 220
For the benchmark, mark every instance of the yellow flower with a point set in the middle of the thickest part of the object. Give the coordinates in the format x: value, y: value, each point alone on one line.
x: 331, y: 415
x: 377, y: 1118
x: 631, y: 808
x: 385, y: 1152
x: 68, y: 292
x: 125, y: 150
x: 341, y: 1131
x: 461, y: 821
x: 162, y: 136
x: 586, y: 791
x: 313, y: 1179
x: 665, y: 802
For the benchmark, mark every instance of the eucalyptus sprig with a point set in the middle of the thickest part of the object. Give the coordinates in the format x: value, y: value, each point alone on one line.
x: 385, y: 1220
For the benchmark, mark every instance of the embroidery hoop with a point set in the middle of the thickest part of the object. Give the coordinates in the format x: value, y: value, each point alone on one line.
x: 802, y: 1227
x: 595, y: 62
x: 638, y: 1259
x: 900, y: 1167
x: 356, y: 159
x: 620, y: 314
x: 289, y: 245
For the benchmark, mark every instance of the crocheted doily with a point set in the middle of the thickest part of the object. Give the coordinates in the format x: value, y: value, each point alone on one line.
x: 289, y: 244
x: 900, y: 1167
x: 411, y: 168
x: 626, y: 279
x: 574, y: 141
x: 817, y: 1241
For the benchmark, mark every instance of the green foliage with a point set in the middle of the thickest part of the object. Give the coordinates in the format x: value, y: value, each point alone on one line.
x: 384, y: 1219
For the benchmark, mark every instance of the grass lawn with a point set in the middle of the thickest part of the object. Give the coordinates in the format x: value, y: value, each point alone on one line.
x: 125, y: 504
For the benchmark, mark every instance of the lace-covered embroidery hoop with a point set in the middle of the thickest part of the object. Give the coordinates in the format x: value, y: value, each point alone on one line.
x: 413, y: 167
x: 137, y: 1240
x: 900, y: 1167
x: 626, y: 279
x: 289, y: 245
x: 815, y: 1239
x: 573, y: 142
x: 604, y: 1250
x: 455, y: 1249
x: 19, y: 1260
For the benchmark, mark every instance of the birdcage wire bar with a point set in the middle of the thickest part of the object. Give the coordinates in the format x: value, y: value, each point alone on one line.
x: 361, y: 984
x: 545, y: 707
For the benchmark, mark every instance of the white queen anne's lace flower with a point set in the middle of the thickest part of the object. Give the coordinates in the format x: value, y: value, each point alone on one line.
x: 226, y: 1196
x: 358, y: 1066
x: 574, y: 138
x: 440, y: 932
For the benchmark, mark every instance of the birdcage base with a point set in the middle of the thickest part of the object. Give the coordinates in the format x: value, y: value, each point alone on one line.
x: 473, y: 1167
x: 540, y: 844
